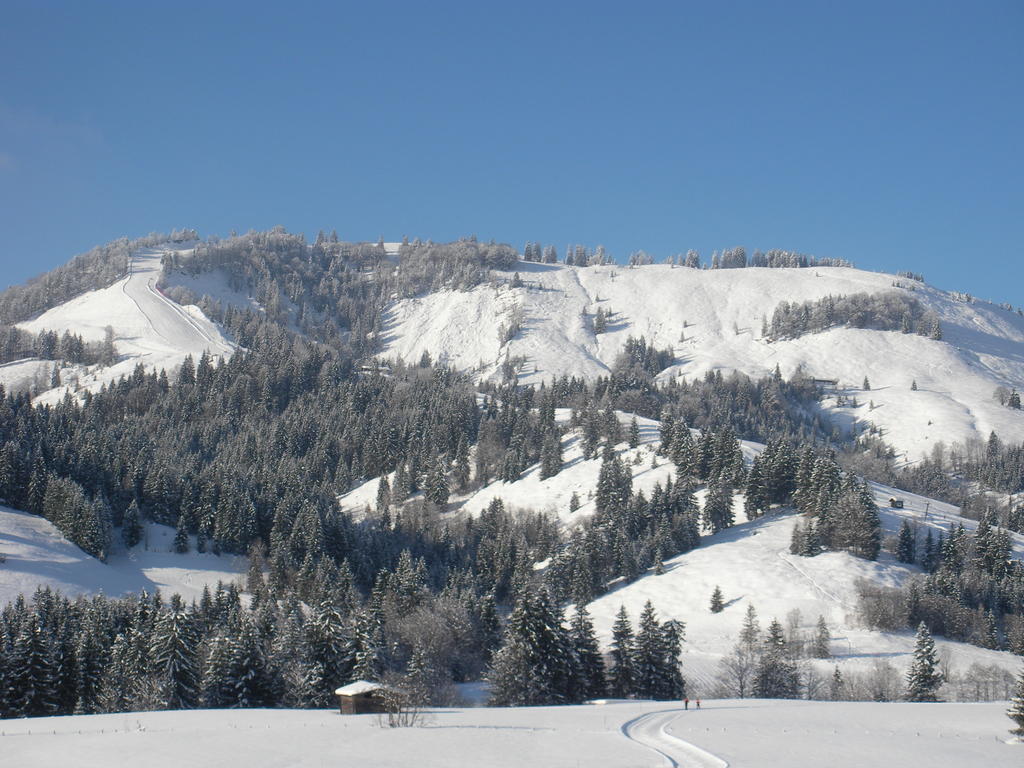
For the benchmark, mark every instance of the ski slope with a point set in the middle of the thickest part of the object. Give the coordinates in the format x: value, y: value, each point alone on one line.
x: 711, y: 320
x: 767, y: 734
x: 37, y: 555
x: 148, y: 327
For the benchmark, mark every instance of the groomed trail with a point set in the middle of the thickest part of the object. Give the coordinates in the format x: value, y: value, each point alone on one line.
x: 652, y: 731
x: 149, y: 329
x: 166, y: 319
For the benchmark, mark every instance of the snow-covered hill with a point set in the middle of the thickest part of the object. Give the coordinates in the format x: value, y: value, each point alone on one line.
x: 35, y: 554
x: 800, y: 734
x: 712, y: 320
x: 148, y: 328
x: 750, y: 562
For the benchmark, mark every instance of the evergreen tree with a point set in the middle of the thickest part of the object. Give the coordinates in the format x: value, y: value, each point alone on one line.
x: 717, y: 601
x: 646, y: 655
x: 250, y: 677
x: 436, y: 488
x: 30, y: 673
x: 218, y: 690
x: 634, y: 433
x: 718, y: 513
x: 181, y: 540
x: 622, y: 675
x: 924, y: 677
x: 588, y: 656
x: 836, y: 685
x: 776, y: 675
x: 535, y: 665
x: 906, y: 544
x: 174, y: 659
x: 550, y: 455
x: 822, y: 640
x: 1016, y: 710
x: 460, y: 474
x: 131, y: 526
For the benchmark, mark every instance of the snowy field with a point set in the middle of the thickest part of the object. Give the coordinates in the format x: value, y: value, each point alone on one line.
x: 625, y: 734
x: 148, y: 327
x: 36, y: 554
x: 711, y: 319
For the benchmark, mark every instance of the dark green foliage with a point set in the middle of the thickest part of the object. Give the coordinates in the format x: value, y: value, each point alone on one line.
x: 775, y: 676
x: 622, y: 675
x: 174, y: 657
x: 589, y: 661
x: 535, y: 665
x: 924, y: 677
x: 717, y: 601
x: 906, y: 545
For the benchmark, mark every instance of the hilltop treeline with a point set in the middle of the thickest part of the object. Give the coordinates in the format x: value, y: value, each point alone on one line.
x: 95, y: 269
x: 890, y: 311
x: 334, y: 291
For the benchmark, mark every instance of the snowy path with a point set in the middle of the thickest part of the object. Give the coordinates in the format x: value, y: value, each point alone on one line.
x: 652, y: 731
x: 167, y: 320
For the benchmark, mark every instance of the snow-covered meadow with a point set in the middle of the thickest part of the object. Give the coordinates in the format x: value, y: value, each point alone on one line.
x: 613, y: 735
x: 35, y: 554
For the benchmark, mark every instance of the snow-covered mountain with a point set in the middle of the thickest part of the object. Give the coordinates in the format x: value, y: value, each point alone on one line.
x: 148, y: 328
x: 712, y: 320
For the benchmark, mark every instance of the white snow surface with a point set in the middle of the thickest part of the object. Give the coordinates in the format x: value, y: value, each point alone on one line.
x: 148, y: 327
x: 613, y: 735
x: 982, y: 348
x: 36, y: 554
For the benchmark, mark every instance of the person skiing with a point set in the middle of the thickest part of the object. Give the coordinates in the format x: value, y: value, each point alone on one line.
x: 686, y: 703
x: 698, y: 703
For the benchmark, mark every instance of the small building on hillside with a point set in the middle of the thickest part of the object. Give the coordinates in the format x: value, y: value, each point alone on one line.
x: 895, y: 502
x: 361, y: 697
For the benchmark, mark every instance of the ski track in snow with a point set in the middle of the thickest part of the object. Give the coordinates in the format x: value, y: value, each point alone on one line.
x: 807, y: 576
x: 652, y: 731
x: 149, y: 328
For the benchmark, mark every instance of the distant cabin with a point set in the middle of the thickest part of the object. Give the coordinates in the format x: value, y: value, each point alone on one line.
x: 361, y: 697
x: 895, y: 503
x: 826, y: 382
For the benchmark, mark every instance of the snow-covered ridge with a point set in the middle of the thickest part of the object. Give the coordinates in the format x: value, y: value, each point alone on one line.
x: 712, y: 319
x: 148, y: 328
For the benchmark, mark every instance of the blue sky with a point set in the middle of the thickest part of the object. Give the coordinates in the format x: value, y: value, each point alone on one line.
x: 884, y: 133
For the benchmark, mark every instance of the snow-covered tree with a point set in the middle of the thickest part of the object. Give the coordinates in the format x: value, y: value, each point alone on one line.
x: 1016, y: 710
x: 924, y: 677
x: 174, y: 659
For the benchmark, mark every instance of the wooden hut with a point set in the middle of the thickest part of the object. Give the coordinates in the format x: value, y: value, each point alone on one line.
x: 361, y: 697
x: 895, y: 502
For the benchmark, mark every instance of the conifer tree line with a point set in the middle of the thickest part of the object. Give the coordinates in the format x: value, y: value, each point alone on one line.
x: 728, y: 258
x: 891, y: 311
x: 17, y: 343
x: 545, y: 661
x: 972, y: 588
x: 98, y: 268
